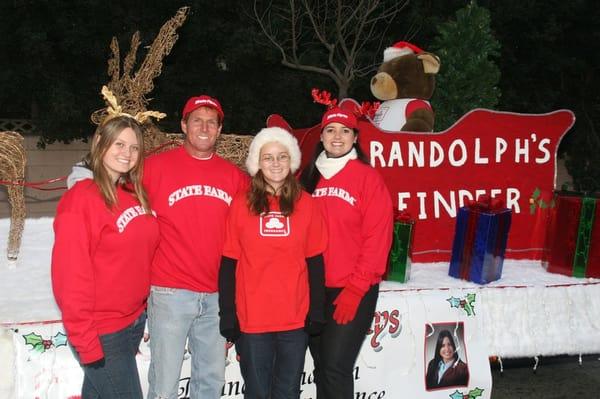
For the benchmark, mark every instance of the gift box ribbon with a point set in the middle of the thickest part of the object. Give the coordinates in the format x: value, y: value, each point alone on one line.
x: 403, y: 216
x: 485, y: 203
x: 584, y: 234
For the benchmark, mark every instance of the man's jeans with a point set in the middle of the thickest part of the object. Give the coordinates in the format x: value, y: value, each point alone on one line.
x: 118, y: 377
x: 272, y: 363
x: 174, y: 316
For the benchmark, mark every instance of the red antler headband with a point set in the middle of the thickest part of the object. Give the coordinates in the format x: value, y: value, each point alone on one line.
x: 323, y: 97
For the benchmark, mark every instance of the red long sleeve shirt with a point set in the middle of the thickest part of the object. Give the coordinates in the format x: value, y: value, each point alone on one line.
x: 271, y: 271
x: 191, y: 198
x: 100, y: 264
x: 358, y: 212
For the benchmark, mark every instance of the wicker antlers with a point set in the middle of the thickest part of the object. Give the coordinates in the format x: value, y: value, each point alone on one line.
x: 12, y: 169
x: 129, y: 88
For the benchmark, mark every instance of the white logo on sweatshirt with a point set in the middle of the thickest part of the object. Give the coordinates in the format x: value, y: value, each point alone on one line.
x: 274, y: 224
x: 199, y: 190
x: 335, y: 192
x: 128, y: 215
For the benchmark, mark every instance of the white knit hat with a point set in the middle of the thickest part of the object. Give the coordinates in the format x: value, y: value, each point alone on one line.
x: 269, y: 135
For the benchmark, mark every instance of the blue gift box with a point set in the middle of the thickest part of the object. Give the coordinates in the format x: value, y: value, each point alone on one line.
x: 479, y: 244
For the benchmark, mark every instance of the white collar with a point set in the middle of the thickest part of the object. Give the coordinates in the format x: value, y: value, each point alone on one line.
x: 203, y: 158
x: 329, y: 167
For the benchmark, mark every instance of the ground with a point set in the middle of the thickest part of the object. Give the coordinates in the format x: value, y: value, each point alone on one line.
x: 555, y: 378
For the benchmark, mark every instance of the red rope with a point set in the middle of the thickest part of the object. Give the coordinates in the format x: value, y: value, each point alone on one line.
x: 36, y: 185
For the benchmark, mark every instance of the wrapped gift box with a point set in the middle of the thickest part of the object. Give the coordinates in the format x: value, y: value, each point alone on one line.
x: 401, y: 252
x: 573, y: 237
x: 480, y: 241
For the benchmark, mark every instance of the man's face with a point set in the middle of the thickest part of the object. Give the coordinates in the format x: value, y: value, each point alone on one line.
x: 202, y: 128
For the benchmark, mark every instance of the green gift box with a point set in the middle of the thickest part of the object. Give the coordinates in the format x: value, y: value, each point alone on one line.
x: 573, y: 236
x: 401, y: 252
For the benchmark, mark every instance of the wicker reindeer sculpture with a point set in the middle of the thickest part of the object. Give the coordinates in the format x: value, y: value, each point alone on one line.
x: 130, y: 90
x: 12, y: 170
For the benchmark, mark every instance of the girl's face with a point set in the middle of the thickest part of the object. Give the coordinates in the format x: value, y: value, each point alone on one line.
x: 122, y: 155
x: 274, y: 163
x: 447, y: 350
x: 337, y: 139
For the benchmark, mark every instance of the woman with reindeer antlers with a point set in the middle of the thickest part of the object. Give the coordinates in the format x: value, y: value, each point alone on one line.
x: 358, y: 213
x: 105, y: 238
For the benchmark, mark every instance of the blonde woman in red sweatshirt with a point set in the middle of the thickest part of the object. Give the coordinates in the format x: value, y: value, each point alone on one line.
x: 105, y: 239
x: 357, y: 207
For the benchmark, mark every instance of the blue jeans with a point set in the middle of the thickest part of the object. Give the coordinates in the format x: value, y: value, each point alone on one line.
x: 272, y: 363
x: 174, y: 316
x: 118, y: 378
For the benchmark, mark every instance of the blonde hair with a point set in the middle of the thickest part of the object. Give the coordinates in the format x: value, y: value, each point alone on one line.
x: 106, y: 134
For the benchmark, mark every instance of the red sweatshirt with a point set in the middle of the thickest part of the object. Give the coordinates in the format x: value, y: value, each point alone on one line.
x: 100, y: 264
x: 272, y: 292
x: 191, y: 198
x: 358, y: 211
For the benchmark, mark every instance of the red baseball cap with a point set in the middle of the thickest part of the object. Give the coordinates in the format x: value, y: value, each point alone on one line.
x: 202, y: 101
x: 339, y: 115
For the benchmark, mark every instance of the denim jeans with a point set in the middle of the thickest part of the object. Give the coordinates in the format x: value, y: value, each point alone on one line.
x: 174, y: 316
x: 272, y: 363
x: 118, y: 378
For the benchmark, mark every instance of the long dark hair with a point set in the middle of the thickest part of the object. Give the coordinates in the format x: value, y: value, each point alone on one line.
x: 438, y: 345
x: 258, y: 200
x: 309, y: 178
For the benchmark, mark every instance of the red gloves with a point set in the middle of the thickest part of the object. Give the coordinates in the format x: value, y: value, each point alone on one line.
x: 347, y: 303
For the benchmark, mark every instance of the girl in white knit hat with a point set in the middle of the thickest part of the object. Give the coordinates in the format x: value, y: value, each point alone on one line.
x: 271, y: 281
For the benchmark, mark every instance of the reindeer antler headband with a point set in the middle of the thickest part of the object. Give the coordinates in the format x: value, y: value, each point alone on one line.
x: 366, y: 108
x: 114, y: 109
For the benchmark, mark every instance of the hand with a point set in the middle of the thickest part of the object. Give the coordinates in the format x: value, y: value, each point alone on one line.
x: 231, y: 334
x: 229, y: 326
x: 313, y: 327
x: 347, y: 303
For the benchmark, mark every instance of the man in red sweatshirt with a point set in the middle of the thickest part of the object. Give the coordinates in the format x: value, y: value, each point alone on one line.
x: 190, y: 189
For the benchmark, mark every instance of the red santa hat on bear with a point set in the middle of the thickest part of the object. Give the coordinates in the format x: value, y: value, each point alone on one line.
x: 399, y: 49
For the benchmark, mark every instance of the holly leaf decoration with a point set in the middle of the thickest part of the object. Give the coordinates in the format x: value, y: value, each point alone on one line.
x: 536, y: 193
x: 454, y: 302
x: 35, y: 340
x: 468, y: 304
x: 456, y: 395
x: 469, y: 309
x: 59, y: 339
x: 474, y: 393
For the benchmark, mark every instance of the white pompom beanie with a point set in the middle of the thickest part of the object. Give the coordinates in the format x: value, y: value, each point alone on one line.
x: 269, y: 135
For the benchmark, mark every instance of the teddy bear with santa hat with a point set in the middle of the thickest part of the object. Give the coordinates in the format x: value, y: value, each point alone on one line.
x: 405, y: 81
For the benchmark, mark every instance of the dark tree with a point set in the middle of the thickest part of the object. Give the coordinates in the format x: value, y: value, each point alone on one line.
x: 549, y: 60
x: 330, y: 38
x: 469, y: 76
